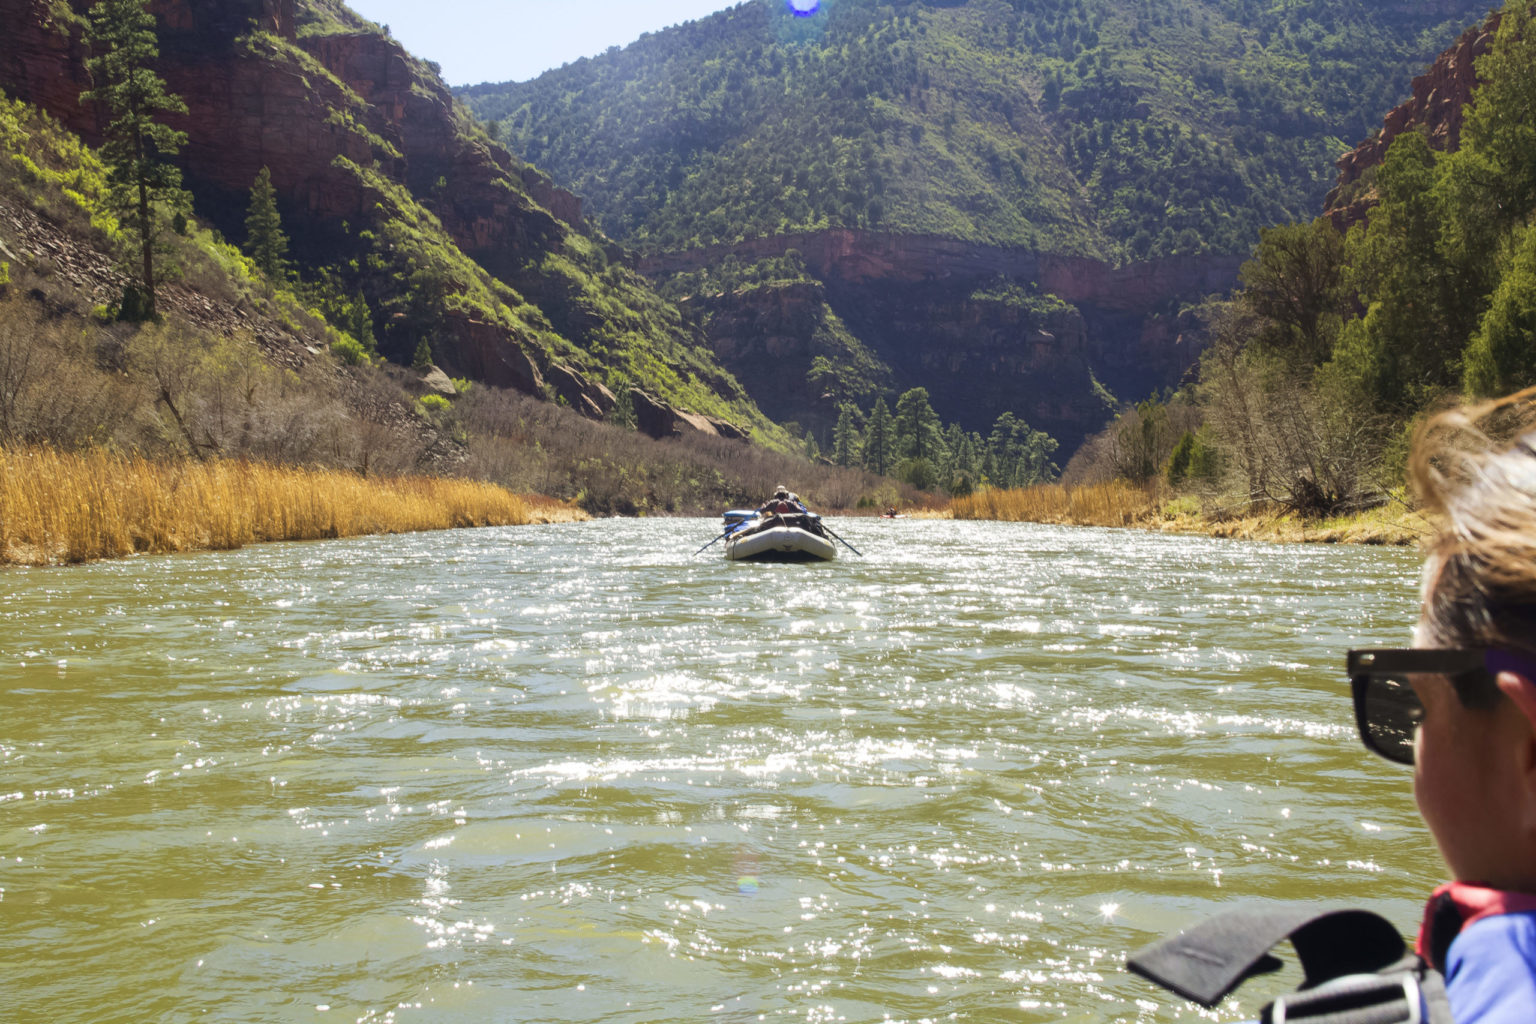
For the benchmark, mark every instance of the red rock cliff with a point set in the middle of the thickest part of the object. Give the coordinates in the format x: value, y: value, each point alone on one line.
x: 855, y: 257
x: 257, y: 101
x: 1440, y: 96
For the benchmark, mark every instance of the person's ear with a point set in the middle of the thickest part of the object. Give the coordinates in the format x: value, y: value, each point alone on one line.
x: 1522, y: 694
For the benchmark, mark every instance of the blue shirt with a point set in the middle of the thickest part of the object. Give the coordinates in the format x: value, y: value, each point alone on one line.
x: 1490, y: 971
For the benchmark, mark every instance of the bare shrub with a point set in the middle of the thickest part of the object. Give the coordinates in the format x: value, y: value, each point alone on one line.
x: 1135, y: 445
x: 1304, y: 442
x: 51, y: 390
x: 530, y: 445
x: 176, y: 389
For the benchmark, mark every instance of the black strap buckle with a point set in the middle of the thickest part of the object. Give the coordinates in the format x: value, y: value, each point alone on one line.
x: 1355, y: 999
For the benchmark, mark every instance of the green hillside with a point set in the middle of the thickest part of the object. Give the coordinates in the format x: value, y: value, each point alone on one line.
x: 1103, y: 128
x: 1340, y: 344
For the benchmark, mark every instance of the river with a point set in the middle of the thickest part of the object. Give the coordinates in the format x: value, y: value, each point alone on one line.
x: 578, y: 774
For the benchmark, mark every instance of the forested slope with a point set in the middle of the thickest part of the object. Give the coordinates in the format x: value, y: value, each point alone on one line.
x: 1121, y: 130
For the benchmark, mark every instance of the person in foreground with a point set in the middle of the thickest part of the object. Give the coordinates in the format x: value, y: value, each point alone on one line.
x: 1460, y: 705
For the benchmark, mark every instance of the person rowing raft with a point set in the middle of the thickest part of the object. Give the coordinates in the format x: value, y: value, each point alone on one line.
x: 783, y: 502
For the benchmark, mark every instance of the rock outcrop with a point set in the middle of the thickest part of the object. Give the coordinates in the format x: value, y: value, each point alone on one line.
x: 660, y: 420
x: 433, y: 381
x: 1437, y: 108
x: 587, y: 397
x: 486, y: 352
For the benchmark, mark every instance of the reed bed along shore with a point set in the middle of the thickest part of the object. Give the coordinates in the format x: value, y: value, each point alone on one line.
x: 1110, y: 504
x: 58, y: 507
x: 1118, y: 503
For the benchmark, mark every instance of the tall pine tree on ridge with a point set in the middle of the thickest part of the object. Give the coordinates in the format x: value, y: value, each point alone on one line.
x: 122, y: 38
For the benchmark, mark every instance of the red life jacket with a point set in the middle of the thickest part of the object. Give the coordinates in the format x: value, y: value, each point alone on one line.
x: 1455, y: 905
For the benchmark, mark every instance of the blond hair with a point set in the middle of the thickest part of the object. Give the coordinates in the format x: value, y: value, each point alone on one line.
x: 1474, y: 468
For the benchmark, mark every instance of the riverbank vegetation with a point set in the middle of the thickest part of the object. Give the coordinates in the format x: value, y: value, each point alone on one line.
x: 59, y: 507
x: 1315, y: 374
x: 1117, y: 503
x: 1111, y: 503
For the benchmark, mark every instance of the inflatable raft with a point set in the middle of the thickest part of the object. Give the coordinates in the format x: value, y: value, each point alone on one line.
x: 777, y: 537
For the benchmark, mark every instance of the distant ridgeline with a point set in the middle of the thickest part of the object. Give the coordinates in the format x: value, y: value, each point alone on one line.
x: 1007, y: 203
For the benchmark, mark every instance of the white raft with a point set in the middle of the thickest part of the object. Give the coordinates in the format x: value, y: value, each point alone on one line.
x: 778, y: 540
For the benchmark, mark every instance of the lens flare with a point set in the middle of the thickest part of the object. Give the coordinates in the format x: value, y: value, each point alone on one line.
x: 803, y: 8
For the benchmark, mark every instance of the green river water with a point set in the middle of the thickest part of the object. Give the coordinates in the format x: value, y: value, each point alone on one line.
x: 576, y: 774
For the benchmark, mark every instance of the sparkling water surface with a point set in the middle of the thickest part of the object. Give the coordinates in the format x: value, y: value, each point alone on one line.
x: 579, y: 774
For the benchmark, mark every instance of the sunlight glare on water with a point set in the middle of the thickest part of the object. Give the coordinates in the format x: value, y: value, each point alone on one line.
x: 577, y: 774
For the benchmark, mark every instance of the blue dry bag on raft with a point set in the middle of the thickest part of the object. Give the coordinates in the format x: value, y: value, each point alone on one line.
x: 738, y: 517
x: 1357, y: 969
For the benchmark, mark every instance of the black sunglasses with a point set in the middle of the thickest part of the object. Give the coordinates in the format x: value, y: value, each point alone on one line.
x: 1387, y: 711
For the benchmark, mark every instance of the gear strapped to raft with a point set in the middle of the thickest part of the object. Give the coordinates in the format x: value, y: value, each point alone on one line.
x: 1357, y: 969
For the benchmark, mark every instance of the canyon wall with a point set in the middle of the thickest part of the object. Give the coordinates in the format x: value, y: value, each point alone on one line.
x: 1437, y: 108
x: 913, y: 301
x: 853, y: 256
x: 314, y: 108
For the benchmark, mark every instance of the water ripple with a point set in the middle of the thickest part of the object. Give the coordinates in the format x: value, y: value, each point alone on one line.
x: 576, y: 774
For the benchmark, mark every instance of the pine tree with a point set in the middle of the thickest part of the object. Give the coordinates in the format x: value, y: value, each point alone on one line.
x: 122, y: 37
x: 845, y: 436
x: 918, y: 427
x: 264, y: 238
x: 423, y: 357
x: 1502, y: 356
x: 360, y: 322
x: 879, y: 439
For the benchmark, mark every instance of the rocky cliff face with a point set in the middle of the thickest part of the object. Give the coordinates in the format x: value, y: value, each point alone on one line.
x: 768, y: 337
x: 980, y: 357
x: 416, y: 114
x: 854, y: 257
x: 1440, y: 96
x: 910, y: 299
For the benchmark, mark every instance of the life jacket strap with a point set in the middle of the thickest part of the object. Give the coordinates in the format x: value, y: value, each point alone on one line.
x: 1206, y: 962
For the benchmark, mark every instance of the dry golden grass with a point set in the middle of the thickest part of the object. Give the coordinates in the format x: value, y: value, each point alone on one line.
x: 59, y: 507
x: 1121, y: 504
x: 1116, y: 503
x: 1398, y: 527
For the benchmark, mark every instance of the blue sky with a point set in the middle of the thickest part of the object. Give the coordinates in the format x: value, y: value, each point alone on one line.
x: 514, y: 40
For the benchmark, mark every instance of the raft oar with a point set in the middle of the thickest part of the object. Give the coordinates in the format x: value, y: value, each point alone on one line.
x: 833, y: 532
x: 712, y: 543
